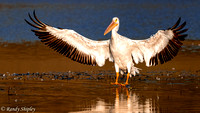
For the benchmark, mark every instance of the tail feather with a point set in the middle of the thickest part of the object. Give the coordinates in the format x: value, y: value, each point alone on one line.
x: 134, y: 71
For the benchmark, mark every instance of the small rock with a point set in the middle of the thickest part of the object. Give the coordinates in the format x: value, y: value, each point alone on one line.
x: 157, y: 78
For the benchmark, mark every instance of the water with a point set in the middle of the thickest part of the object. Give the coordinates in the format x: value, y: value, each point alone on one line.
x: 89, y: 96
x: 138, y: 19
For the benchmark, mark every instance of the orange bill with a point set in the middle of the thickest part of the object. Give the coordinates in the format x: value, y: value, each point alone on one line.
x: 110, y: 27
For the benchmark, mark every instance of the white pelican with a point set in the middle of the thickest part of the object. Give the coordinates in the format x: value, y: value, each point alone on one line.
x: 124, y: 52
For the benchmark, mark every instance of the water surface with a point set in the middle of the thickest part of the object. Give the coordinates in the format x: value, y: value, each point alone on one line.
x: 92, y: 96
x: 138, y: 19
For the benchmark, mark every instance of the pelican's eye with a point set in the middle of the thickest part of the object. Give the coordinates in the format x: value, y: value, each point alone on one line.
x: 115, y: 20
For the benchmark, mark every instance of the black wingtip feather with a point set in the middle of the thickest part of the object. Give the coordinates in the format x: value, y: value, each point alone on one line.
x: 38, y: 27
x: 34, y: 20
x: 177, y: 23
x: 182, y: 31
x: 180, y: 27
x: 182, y: 37
x: 34, y: 14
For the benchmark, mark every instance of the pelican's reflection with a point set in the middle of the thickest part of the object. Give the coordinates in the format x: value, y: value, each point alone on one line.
x: 129, y: 102
x: 126, y: 101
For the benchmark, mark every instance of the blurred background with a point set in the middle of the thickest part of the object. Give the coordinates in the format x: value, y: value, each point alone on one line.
x: 139, y: 19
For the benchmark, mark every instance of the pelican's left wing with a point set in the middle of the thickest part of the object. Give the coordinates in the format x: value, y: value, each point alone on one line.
x: 161, y: 47
x: 71, y: 44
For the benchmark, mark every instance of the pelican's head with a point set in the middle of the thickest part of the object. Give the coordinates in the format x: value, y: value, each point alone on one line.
x: 114, y: 25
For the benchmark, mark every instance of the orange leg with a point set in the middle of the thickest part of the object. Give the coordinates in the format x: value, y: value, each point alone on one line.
x: 117, y: 76
x: 128, y: 74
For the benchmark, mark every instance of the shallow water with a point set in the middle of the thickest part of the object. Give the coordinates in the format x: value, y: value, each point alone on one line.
x: 98, y: 96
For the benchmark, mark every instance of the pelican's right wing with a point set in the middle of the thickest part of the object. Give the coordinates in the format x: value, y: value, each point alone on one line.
x: 71, y: 44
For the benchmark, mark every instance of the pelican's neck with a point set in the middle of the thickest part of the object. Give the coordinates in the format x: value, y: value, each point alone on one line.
x: 114, y: 31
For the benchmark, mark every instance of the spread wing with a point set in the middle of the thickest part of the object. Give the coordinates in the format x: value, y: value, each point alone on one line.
x: 161, y: 47
x: 71, y: 44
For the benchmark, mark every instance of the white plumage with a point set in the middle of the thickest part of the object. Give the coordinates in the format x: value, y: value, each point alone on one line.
x: 124, y: 52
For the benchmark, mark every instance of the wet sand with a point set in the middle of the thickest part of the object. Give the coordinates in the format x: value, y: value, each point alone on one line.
x: 35, y: 57
x: 34, y: 76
